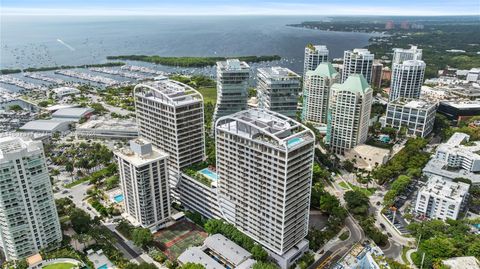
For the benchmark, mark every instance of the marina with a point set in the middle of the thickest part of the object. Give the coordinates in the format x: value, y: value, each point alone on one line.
x: 7, y: 79
x: 125, y: 74
x: 88, y: 77
x: 143, y: 69
x: 43, y: 77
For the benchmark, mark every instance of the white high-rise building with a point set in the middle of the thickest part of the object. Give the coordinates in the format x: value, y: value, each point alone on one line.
x: 416, y: 116
x: 28, y: 216
x: 278, y: 89
x: 144, y: 180
x: 264, y: 167
x: 232, y: 87
x: 170, y: 116
x: 407, y: 79
x: 349, y: 113
x: 401, y: 55
x: 441, y: 199
x: 456, y: 154
x: 316, y: 92
x: 358, y: 61
x: 314, y: 55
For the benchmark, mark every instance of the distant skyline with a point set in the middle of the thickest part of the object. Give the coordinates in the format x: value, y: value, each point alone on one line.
x: 243, y: 7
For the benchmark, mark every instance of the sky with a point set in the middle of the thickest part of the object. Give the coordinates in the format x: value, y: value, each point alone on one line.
x: 240, y: 7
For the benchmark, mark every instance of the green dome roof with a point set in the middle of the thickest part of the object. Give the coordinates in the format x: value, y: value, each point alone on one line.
x: 324, y: 69
x: 354, y: 83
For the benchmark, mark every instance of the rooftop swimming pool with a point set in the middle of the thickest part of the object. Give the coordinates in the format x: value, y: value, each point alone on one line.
x: 103, y: 267
x: 292, y: 142
x: 118, y: 198
x: 209, y: 173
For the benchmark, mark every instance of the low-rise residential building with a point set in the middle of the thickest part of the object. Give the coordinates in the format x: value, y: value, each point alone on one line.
x: 144, y: 181
x: 441, y: 199
x: 456, y: 158
x: 458, y: 155
x: 416, y: 116
x: 218, y: 252
x: 469, y: 262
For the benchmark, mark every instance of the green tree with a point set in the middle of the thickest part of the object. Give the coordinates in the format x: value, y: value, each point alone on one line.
x: 81, y: 221
x: 142, y: 237
x: 357, y: 202
x: 15, y: 108
x: 258, y: 253
x: 191, y: 265
x: 264, y: 265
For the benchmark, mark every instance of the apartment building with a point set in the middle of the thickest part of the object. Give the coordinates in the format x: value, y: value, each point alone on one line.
x: 441, y: 199
x: 232, y: 87
x: 278, y: 89
x: 416, y: 116
x: 170, y: 115
x: 264, y: 166
x: 407, y: 79
x: 358, y: 61
x: 314, y: 55
x: 349, y: 113
x: 28, y: 215
x: 144, y: 179
x: 400, y: 55
x: 316, y: 92
x: 459, y: 153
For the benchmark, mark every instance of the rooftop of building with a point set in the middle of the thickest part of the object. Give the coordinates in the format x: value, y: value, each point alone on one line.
x: 110, y: 124
x: 445, y: 188
x: 414, y: 103
x: 362, y: 52
x: 233, y: 65
x: 409, y: 63
x: 355, y: 83
x: 10, y: 145
x: 439, y: 167
x: 234, y: 255
x: 278, y: 73
x: 321, y: 48
x: 411, y: 49
x: 72, y: 112
x: 462, y: 104
x: 324, y: 69
x: 140, y: 152
x: 44, y: 125
x: 265, y: 125
x: 456, y: 145
x: 169, y: 92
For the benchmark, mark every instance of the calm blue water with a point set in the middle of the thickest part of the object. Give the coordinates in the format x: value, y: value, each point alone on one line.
x: 32, y: 41
x: 209, y: 173
x: 103, y: 267
x: 118, y: 198
x: 292, y: 142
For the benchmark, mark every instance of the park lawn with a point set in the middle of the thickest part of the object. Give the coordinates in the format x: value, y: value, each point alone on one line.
x: 209, y: 94
x: 367, y: 192
x: 59, y: 266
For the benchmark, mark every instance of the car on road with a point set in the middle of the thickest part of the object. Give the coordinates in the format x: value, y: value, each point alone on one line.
x: 64, y: 191
x: 389, y: 235
x: 89, y: 208
x: 70, y: 196
x: 383, y: 226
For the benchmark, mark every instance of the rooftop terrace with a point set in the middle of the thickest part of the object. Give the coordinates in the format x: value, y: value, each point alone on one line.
x: 168, y: 91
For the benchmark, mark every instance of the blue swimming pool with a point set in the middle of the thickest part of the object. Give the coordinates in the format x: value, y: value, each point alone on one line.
x: 209, y: 173
x: 103, y: 267
x: 118, y: 198
x: 292, y: 142
x: 477, y: 225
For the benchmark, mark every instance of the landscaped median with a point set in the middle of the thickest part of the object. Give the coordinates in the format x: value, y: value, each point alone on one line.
x: 366, y: 191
